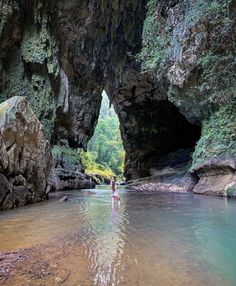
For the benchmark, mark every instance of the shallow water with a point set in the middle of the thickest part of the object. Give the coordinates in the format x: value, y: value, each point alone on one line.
x: 152, y: 239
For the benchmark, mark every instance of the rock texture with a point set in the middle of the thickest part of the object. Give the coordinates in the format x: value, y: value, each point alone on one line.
x: 151, y: 126
x: 68, y: 172
x: 169, y: 174
x: 217, y: 177
x: 184, y: 47
x: 25, y: 156
x: 169, y: 70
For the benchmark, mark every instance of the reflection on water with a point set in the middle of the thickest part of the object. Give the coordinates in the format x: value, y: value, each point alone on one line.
x: 153, y: 239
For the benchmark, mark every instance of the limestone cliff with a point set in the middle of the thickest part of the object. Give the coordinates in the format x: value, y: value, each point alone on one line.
x: 190, y: 46
x: 167, y: 66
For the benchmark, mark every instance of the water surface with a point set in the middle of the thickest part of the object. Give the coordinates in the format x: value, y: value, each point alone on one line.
x: 152, y: 239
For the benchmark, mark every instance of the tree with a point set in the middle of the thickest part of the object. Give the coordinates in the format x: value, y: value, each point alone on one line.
x: 105, y: 150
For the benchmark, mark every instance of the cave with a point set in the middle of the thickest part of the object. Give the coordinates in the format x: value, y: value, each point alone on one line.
x: 150, y: 131
x: 159, y: 129
x: 154, y: 75
x: 120, y: 196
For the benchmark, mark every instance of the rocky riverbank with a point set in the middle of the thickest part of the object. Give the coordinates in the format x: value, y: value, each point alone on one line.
x: 54, y: 263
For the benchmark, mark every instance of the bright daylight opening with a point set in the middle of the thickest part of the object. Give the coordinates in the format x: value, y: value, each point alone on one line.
x: 105, y: 155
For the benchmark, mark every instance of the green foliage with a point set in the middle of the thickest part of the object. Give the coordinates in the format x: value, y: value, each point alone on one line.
x: 213, y: 11
x: 156, y: 41
x: 71, y: 154
x: 218, y: 136
x: 218, y: 78
x: 93, y: 168
x: 230, y: 191
x: 105, y: 155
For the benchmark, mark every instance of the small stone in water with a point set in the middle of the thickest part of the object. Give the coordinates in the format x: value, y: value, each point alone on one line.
x: 58, y: 279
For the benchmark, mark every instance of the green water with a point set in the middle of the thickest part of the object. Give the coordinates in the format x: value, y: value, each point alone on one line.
x: 153, y: 239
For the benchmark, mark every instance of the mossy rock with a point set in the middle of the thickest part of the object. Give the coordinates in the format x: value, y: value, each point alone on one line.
x: 231, y: 190
x: 218, y: 138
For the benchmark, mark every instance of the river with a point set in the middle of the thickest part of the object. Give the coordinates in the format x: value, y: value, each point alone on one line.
x: 152, y: 239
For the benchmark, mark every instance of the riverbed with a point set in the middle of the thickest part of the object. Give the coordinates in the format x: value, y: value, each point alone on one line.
x: 152, y: 239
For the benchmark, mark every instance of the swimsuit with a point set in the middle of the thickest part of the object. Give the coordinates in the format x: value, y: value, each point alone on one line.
x: 115, y: 195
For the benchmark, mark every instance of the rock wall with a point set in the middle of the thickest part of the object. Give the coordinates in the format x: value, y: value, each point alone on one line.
x: 190, y: 46
x: 167, y: 66
x: 62, y: 55
x: 25, y: 156
x: 151, y: 126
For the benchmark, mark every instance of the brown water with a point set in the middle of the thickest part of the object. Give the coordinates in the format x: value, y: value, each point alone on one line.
x: 153, y: 239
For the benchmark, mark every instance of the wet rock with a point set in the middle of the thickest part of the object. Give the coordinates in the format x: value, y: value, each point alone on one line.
x: 216, y: 177
x: 68, y: 172
x: 62, y: 179
x: 5, y: 188
x: 171, y: 174
x: 25, y: 155
x: 63, y: 199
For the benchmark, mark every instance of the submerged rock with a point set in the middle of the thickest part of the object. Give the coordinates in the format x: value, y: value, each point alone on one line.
x: 25, y: 159
x: 63, y: 199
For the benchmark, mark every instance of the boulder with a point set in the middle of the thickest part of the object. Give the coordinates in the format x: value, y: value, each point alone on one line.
x: 215, y: 176
x: 68, y: 171
x: 63, y: 179
x: 25, y: 159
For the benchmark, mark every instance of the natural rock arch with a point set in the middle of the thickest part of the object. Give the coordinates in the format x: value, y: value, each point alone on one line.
x: 67, y: 52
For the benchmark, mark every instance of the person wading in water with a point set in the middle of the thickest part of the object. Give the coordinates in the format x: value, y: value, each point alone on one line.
x: 115, y: 194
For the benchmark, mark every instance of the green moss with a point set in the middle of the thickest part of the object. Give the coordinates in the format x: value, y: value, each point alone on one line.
x: 218, y: 80
x: 38, y: 46
x: 39, y: 50
x: 201, y: 10
x: 37, y: 89
x: 33, y: 47
x: 230, y: 191
x: 218, y: 137
x: 156, y: 41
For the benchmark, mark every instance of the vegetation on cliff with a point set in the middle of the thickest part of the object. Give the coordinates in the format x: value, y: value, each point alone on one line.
x: 191, y: 44
x: 218, y: 136
x: 156, y: 41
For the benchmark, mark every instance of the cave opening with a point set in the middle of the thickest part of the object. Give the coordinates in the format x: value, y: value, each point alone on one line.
x: 161, y: 137
x: 105, y: 154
